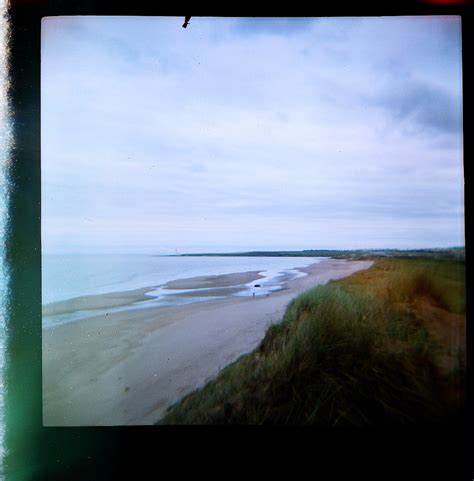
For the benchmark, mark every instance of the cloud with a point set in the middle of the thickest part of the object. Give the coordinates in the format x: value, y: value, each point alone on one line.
x: 427, y: 107
x: 288, y: 132
x: 282, y: 26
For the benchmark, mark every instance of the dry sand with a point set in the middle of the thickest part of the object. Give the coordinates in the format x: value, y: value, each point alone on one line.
x: 126, y: 368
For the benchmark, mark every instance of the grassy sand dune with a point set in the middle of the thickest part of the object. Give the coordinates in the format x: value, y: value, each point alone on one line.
x: 385, y: 345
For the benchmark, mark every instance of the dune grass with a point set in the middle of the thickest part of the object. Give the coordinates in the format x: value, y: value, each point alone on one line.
x: 351, y: 352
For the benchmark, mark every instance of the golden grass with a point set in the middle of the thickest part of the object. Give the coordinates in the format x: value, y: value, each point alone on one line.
x: 352, y: 352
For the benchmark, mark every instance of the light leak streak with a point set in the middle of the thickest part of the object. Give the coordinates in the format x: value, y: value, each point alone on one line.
x: 5, y: 148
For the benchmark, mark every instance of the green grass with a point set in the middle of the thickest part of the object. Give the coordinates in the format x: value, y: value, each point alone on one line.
x: 352, y: 352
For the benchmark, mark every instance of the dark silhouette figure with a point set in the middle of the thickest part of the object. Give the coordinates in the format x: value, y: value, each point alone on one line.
x: 186, y: 21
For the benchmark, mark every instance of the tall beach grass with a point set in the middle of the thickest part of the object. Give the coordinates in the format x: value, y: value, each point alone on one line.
x: 351, y: 352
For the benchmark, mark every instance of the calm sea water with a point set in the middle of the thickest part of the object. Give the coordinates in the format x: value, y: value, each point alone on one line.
x: 68, y: 276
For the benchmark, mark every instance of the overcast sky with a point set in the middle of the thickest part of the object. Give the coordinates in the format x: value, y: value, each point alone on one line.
x: 246, y: 134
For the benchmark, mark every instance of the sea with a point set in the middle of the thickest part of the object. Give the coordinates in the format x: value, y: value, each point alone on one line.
x: 68, y: 276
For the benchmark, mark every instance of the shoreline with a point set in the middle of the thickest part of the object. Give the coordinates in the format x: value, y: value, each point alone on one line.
x: 96, y: 301
x: 199, y: 286
x: 127, y: 367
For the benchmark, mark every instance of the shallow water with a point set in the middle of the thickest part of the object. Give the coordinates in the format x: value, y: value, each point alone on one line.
x: 69, y: 276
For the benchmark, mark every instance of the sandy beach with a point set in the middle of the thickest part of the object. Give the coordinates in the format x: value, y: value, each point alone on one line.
x: 126, y: 368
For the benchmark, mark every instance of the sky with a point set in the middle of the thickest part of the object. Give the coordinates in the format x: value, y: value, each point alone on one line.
x: 239, y: 134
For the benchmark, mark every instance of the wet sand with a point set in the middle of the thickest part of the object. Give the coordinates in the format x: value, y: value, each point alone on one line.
x: 223, y: 280
x: 210, y: 285
x: 126, y: 368
x: 102, y: 301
